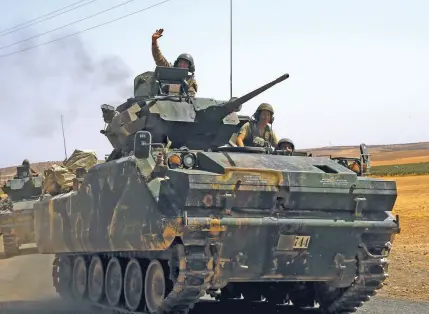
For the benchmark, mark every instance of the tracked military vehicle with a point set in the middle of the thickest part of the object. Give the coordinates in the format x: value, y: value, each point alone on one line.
x: 177, y: 211
x: 17, y: 222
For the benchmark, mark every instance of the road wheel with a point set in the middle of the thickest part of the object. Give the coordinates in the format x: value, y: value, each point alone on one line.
x: 134, y: 285
x: 96, y: 279
x: 154, y: 286
x: 80, y: 278
x: 113, y: 282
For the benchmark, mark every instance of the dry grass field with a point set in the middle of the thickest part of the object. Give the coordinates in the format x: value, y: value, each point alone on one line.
x: 409, y: 261
x: 382, y: 155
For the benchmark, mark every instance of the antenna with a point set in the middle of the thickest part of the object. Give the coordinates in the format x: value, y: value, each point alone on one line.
x: 230, y: 48
x: 64, y: 138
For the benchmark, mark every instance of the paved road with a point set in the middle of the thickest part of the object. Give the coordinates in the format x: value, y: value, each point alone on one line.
x: 26, y: 287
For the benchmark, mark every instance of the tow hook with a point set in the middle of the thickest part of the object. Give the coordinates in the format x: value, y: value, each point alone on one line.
x: 386, y: 248
x: 339, y: 264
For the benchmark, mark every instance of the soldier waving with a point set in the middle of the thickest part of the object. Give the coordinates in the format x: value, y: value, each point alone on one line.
x: 184, y: 60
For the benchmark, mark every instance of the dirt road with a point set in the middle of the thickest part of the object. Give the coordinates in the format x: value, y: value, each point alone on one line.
x: 26, y: 287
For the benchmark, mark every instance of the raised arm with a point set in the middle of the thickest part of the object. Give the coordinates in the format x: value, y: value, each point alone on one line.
x: 156, y: 52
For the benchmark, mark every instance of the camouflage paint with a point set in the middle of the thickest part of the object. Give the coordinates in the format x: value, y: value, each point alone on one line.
x: 239, y: 215
x: 200, y: 123
x: 115, y: 209
x: 18, y: 223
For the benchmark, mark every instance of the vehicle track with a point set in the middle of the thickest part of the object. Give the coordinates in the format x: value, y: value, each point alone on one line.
x: 26, y: 287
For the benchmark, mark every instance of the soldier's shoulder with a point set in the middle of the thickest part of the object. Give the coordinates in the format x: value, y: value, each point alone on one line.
x: 245, y: 127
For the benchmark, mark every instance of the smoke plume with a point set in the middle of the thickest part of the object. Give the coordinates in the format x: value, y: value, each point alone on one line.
x: 64, y: 77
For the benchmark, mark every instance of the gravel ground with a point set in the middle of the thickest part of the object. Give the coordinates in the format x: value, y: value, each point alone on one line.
x: 55, y: 306
x: 26, y: 287
x: 388, y: 306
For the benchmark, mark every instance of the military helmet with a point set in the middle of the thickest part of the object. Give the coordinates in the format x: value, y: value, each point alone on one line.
x: 286, y: 140
x: 26, y: 162
x: 264, y: 106
x: 187, y: 57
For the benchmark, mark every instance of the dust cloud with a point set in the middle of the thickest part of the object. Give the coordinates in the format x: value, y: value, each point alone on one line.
x: 65, y: 77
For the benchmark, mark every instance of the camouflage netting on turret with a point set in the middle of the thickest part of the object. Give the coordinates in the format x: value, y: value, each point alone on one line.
x: 59, y: 179
x: 81, y: 159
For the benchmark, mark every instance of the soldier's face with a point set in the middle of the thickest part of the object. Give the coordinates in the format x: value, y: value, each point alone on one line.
x: 265, y: 116
x: 183, y: 64
x: 286, y: 146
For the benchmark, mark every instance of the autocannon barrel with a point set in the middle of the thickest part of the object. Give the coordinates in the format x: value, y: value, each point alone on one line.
x: 235, y: 104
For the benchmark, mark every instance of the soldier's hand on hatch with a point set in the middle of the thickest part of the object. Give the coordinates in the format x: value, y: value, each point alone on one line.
x: 157, y: 34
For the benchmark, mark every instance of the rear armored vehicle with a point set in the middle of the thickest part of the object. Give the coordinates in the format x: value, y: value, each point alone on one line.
x: 178, y: 211
x: 17, y: 214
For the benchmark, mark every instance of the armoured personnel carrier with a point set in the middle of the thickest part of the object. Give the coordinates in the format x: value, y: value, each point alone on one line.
x: 17, y: 220
x: 177, y: 211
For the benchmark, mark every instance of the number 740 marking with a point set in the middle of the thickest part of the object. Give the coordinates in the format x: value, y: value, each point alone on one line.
x: 301, y: 242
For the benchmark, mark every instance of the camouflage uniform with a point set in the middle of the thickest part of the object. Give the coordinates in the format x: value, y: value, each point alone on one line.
x: 5, y: 204
x: 251, y: 131
x: 161, y: 61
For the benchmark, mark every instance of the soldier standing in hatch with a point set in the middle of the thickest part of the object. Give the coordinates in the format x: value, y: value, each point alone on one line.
x: 257, y: 132
x: 185, y: 61
x: 26, y: 163
x: 286, y: 144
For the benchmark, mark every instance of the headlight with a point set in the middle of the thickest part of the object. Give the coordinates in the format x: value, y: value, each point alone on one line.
x: 174, y: 161
x: 189, y: 160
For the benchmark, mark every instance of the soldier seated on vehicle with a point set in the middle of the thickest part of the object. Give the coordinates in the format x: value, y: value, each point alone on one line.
x: 286, y: 144
x: 185, y: 61
x: 257, y: 132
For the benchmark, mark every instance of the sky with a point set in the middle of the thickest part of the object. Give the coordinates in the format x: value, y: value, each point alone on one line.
x: 358, y: 69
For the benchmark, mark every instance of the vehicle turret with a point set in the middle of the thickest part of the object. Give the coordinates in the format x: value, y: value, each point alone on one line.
x: 162, y: 106
x: 23, y: 186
